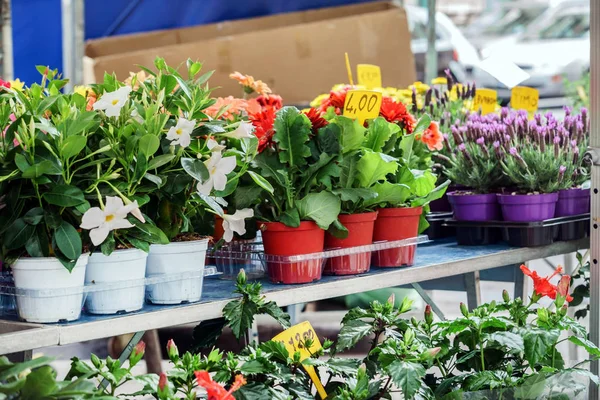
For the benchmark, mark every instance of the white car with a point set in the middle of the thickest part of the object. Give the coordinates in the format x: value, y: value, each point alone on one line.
x: 558, y: 48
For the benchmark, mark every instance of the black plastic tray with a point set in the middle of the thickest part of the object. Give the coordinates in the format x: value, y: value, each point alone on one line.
x: 437, y: 229
x: 521, y: 234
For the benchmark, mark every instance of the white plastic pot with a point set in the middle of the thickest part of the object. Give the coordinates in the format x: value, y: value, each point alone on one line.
x: 182, y: 265
x: 119, y: 281
x: 46, y: 291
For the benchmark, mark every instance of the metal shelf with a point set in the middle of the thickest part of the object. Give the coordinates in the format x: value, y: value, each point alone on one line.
x: 437, y: 259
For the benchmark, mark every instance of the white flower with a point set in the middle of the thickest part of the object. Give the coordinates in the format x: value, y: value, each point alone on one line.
x: 218, y: 168
x: 112, y: 102
x: 235, y: 223
x: 244, y: 130
x: 180, y: 134
x: 213, y: 145
x: 101, y: 222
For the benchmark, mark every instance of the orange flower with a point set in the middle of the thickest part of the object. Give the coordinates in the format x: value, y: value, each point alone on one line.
x: 214, y: 390
x: 244, y: 80
x: 253, y: 106
x: 543, y: 287
x: 432, y: 137
x: 234, y: 107
x: 394, y: 111
x: 250, y: 85
x: 261, y: 88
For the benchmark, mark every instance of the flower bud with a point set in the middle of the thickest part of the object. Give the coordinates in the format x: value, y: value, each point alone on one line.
x: 428, y: 315
x: 575, y: 155
x: 137, y: 353
x: 563, y: 310
x: 449, y: 79
x: 414, y: 322
x: 428, y: 97
x: 430, y: 354
x: 392, y: 299
x: 505, y: 296
x: 561, y: 172
x: 542, y: 314
x: 414, y: 100
x: 172, y: 351
x: 464, y: 310
x: 163, y: 391
x: 556, y: 146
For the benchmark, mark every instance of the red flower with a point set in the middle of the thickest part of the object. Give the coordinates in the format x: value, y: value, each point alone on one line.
x: 432, y: 137
x: 263, y: 127
x: 394, y: 111
x: 273, y: 101
x: 336, y: 99
x: 316, y: 120
x: 543, y: 287
x: 563, y: 287
x: 5, y: 84
x: 214, y: 390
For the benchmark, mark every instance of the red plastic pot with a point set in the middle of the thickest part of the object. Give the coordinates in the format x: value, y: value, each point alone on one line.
x: 396, y: 224
x: 281, y: 240
x: 360, y: 232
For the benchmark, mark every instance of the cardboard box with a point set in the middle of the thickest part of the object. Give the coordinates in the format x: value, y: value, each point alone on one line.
x: 299, y: 55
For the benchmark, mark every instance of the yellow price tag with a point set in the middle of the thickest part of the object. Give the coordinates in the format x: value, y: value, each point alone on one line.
x: 362, y: 104
x: 486, y: 99
x: 524, y: 98
x: 293, y: 339
x: 369, y: 75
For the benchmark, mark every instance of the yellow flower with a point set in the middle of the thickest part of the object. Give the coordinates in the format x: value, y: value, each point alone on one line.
x: 420, y: 87
x: 318, y: 100
x: 453, y: 94
x: 439, y: 81
x: 17, y: 84
x: 337, y: 87
x: 81, y: 90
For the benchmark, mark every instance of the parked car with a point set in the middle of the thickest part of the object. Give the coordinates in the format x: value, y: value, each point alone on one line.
x: 454, y: 50
x: 558, y: 48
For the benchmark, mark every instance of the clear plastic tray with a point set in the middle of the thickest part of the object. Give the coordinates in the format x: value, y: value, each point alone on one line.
x: 66, y: 304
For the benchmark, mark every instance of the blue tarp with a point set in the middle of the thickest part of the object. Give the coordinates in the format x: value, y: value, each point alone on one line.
x: 37, y: 29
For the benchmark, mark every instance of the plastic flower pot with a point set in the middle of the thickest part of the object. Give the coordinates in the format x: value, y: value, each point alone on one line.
x: 47, y: 291
x: 176, y: 258
x: 396, y: 224
x: 573, y: 201
x: 443, y: 203
x: 120, y: 279
x: 474, y: 207
x: 360, y: 232
x: 527, y: 207
x: 281, y: 240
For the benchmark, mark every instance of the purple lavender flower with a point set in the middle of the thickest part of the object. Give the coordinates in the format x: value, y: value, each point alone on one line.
x: 496, y: 144
x: 437, y: 93
x: 514, y: 152
x: 575, y: 155
x: 561, y: 172
x: 428, y: 97
x: 556, y: 141
x: 503, y: 113
x: 456, y: 135
x: 464, y: 93
x: 446, y: 141
x: 480, y: 141
x: 449, y: 79
x: 465, y: 152
x: 414, y: 100
x: 584, y: 116
x: 537, y: 118
x: 567, y: 110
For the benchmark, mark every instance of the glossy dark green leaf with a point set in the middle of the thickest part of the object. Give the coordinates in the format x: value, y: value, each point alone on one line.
x: 17, y: 234
x: 64, y: 196
x: 68, y: 241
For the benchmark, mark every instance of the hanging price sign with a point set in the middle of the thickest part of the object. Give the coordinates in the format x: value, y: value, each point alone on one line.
x: 369, y: 75
x: 524, y: 98
x: 294, y: 340
x: 362, y: 105
x: 486, y: 99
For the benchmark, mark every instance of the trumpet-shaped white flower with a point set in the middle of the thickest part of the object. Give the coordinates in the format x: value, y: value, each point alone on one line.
x: 218, y: 168
x: 244, y: 130
x: 213, y: 145
x: 112, y: 102
x: 236, y: 223
x: 181, y: 133
x: 101, y: 222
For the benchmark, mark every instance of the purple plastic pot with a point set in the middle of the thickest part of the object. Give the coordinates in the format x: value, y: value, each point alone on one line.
x: 527, y: 207
x: 443, y: 204
x: 474, y: 207
x: 573, y: 202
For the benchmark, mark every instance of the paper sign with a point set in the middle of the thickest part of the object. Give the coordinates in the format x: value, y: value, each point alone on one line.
x: 369, y: 75
x: 293, y: 339
x: 507, y: 72
x: 524, y: 98
x: 486, y: 99
x: 362, y: 104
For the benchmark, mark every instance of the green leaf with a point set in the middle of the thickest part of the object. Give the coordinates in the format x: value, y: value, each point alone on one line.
x: 270, y: 167
x: 11, y: 388
x: 355, y: 195
x: 329, y: 139
x: 40, y: 383
x: 271, y: 308
x: 16, y: 369
x: 512, y: 342
x: 34, y: 216
x: 277, y: 349
x: 161, y: 160
x: 351, y: 333
x: 239, y: 316
x: 537, y: 343
x: 21, y: 162
x: 423, y: 184
x: 147, y: 232
x: 195, y: 168
x: 72, y: 146
x: 68, y: 240
x: 532, y: 388
x: 406, y: 145
x: 374, y: 167
x: 348, y: 170
x: 353, y: 133
x: 38, y: 245
x: 422, y: 124
x: 290, y: 218
x: 141, y: 166
x: 435, y: 194
x: 260, y: 181
x: 17, y: 234
x: 407, y: 376
x: 148, y: 145
x: 322, y: 207
x: 253, y: 391
x: 393, y: 194
x: 378, y: 133
x: 39, y: 169
x: 292, y: 131
x: 588, y: 345
x: 64, y: 196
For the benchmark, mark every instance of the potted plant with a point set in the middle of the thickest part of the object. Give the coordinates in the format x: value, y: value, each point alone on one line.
x: 475, y: 164
x: 534, y: 168
x: 43, y: 153
x: 574, y: 199
x: 295, y: 167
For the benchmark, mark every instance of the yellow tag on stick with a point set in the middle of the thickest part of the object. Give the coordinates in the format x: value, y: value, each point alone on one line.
x: 369, y: 75
x: 362, y: 104
x: 486, y: 99
x: 349, y: 69
x: 524, y: 98
x: 293, y: 339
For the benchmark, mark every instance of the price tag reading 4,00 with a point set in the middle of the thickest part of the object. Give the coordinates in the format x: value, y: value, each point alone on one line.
x: 362, y: 104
